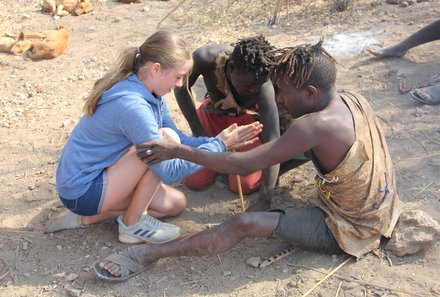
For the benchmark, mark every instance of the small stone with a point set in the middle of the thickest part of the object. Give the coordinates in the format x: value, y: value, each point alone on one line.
x: 73, y: 292
x: 25, y: 245
x: 253, y: 261
x: 71, y: 277
x: 227, y: 273
x: 415, y: 231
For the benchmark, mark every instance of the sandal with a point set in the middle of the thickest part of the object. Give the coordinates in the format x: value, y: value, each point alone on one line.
x: 427, y: 95
x: 129, y: 263
x: 68, y: 220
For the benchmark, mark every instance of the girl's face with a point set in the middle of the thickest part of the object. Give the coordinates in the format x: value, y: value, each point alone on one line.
x: 168, y: 79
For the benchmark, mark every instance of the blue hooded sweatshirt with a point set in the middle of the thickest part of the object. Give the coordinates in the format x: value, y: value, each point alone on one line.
x: 127, y: 114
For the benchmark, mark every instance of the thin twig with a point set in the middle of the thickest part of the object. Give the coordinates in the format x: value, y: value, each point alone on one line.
x: 7, y: 270
x: 169, y: 13
x: 339, y: 287
x: 240, y: 194
x: 420, y: 157
x: 389, y: 260
x: 218, y: 257
x: 422, y: 190
x: 349, y: 279
x: 328, y: 275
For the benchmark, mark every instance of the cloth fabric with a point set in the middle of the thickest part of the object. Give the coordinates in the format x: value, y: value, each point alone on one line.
x: 359, y: 197
x: 213, y: 124
x: 91, y: 202
x: 127, y: 114
x: 306, y: 227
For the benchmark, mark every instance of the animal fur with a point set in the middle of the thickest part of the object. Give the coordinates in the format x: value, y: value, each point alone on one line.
x: 65, y: 7
x: 45, y: 45
x: 11, y: 43
x: 7, y: 41
x: 52, y: 43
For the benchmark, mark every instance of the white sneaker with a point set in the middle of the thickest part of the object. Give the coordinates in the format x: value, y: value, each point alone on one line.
x: 147, y: 229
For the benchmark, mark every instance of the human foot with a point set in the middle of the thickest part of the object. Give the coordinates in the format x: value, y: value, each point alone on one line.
x: 427, y: 95
x: 123, y: 265
x: 66, y: 221
x: 147, y: 229
x: 388, y: 52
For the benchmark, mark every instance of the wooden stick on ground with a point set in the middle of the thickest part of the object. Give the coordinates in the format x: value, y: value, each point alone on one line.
x: 169, y: 13
x: 277, y: 256
x: 240, y: 193
x: 274, y: 19
x: 327, y: 276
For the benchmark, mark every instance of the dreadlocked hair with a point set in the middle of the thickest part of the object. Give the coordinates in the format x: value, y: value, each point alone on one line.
x: 250, y: 55
x: 304, y: 65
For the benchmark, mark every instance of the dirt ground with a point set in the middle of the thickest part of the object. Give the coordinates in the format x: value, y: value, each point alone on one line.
x: 41, y: 103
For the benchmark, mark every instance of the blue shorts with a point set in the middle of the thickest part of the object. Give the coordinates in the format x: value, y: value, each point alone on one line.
x: 306, y: 227
x: 91, y: 202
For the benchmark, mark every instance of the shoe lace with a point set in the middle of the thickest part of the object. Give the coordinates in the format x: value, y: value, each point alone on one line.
x: 151, y: 221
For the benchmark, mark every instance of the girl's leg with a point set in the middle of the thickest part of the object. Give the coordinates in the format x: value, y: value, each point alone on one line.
x: 167, y: 202
x: 149, y: 193
x: 130, y: 188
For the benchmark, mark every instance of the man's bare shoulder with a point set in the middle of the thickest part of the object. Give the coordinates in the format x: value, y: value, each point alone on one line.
x: 205, y: 56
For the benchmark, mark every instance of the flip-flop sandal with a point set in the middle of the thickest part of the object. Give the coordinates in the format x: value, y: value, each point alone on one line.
x: 129, y: 263
x: 69, y: 220
x: 428, y: 95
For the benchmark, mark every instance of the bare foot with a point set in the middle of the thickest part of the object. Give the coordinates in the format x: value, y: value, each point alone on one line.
x: 125, y: 264
x: 389, y: 52
x: 427, y: 95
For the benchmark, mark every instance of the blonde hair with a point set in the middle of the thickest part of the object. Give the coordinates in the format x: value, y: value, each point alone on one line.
x: 163, y: 47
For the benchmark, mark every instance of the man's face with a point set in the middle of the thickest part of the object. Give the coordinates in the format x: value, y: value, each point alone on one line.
x: 246, y: 83
x: 291, y: 98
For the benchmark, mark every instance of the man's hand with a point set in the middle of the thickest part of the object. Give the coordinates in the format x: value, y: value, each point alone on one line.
x: 153, y: 152
x: 238, y: 136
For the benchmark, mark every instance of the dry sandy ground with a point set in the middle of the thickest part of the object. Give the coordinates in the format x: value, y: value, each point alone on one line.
x: 41, y: 103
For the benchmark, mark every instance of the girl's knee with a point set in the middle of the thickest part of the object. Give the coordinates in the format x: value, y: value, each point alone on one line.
x: 176, y: 204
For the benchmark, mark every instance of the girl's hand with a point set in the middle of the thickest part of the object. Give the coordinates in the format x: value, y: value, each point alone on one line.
x: 238, y: 136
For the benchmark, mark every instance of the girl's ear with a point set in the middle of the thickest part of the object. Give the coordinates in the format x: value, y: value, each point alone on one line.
x: 155, y: 67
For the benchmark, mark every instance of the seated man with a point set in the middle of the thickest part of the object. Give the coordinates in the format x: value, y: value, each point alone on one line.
x: 238, y: 91
x: 357, y: 201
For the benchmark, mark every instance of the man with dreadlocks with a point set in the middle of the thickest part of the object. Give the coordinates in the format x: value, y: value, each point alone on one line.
x: 238, y: 91
x: 357, y: 202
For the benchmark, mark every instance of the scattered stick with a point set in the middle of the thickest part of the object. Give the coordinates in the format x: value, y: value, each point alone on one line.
x: 277, y: 257
x: 275, y: 15
x: 6, y: 271
x: 218, y: 257
x: 339, y: 287
x: 240, y: 193
x: 328, y: 275
x: 420, y: 157
x: 169, y: 13
x: 422, y: 190
x: 389, y: 260
x: 349, y: 279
